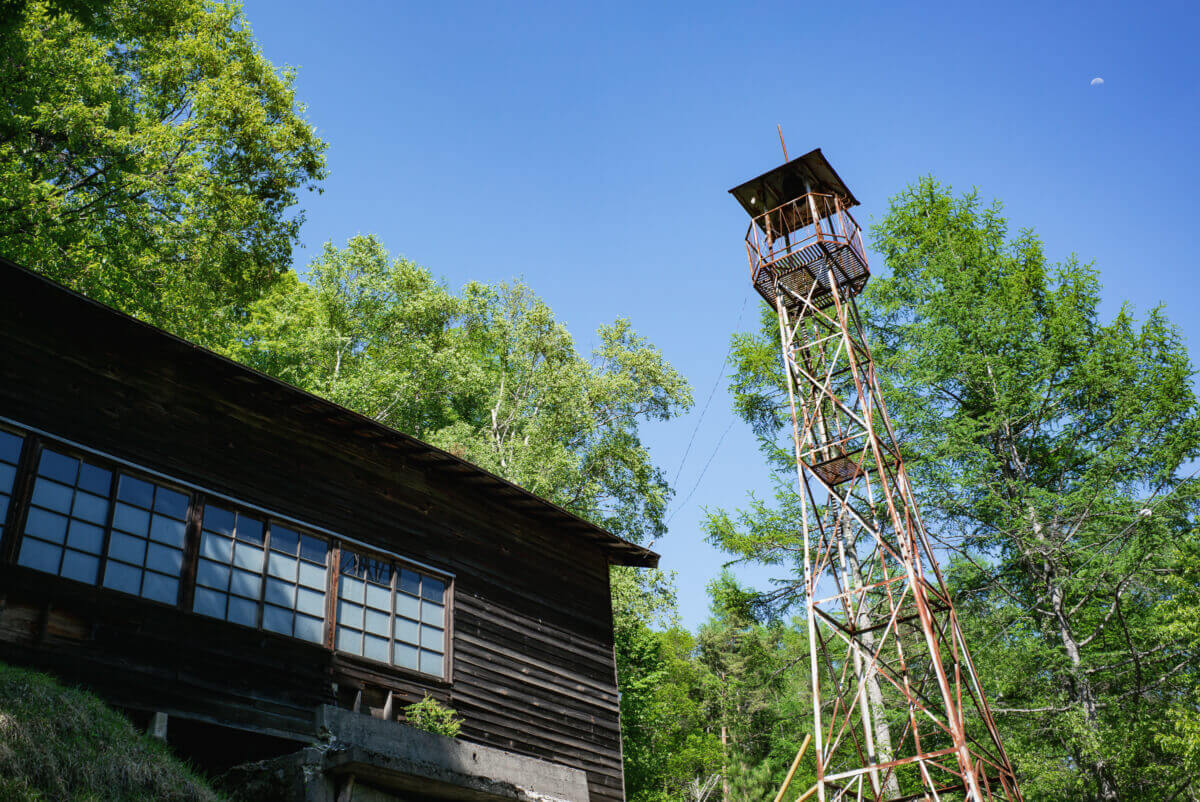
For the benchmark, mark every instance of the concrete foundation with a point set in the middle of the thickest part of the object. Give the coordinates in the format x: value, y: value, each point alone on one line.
x: 365, y: 759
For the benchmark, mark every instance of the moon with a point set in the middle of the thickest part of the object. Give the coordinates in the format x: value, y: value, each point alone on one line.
x: 1097, y: 81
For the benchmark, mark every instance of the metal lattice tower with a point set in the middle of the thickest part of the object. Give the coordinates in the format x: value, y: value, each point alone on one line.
x: 898, y: 713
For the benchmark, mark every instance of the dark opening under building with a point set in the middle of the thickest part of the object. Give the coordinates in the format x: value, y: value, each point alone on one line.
x: 274, y: 577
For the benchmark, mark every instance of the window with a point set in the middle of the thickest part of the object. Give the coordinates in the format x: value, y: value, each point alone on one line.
x: 247, y: 569
x: 89, y: 519
x: 145, y: 550
x: 295, y: 592
x: 10, y: 455
x: 68, y: 512
x: 68, y: 519
x: 391, y: 613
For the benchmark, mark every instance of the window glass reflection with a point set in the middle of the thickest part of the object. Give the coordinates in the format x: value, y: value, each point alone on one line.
x: 391, y: 614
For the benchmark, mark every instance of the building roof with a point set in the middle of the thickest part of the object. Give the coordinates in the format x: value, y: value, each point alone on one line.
x: 807, y: 173
x: 272, y: 391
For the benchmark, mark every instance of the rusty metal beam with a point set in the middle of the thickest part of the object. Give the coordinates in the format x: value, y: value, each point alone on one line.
x: 898, y: 710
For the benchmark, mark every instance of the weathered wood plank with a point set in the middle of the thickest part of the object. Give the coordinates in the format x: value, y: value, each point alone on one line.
x: 532, y: 631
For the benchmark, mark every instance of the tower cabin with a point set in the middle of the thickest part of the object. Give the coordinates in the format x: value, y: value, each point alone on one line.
x: 257, y: 574
x: 800, y: 229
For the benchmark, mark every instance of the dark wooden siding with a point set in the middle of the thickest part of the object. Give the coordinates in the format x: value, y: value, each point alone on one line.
x: 532, y: 630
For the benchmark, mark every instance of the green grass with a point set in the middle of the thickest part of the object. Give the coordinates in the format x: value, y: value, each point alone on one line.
x: 59, y: 743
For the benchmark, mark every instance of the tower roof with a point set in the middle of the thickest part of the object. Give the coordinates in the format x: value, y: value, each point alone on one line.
x: 807, y: 173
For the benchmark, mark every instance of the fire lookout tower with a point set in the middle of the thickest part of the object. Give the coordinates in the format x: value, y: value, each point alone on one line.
x: 898, y: 711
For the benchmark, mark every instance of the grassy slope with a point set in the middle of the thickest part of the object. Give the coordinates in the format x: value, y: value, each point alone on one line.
x: 59, y: 743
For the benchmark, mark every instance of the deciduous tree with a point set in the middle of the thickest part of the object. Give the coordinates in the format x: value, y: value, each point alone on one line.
x: 488, y: 374
x: 1049, y: 448
x: 150, y: 157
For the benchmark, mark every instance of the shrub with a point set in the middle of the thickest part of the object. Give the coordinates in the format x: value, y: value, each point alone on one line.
x: 432, y: 716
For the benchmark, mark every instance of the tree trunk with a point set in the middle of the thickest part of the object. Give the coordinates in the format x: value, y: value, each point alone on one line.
x: 724, y: 764
x: 1081, y: 691
x: 873, y: 704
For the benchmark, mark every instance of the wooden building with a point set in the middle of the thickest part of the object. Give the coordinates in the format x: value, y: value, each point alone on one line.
x: 192, y: 539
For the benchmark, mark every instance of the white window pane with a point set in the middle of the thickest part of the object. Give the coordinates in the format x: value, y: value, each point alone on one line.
x: 168, y: 530
x: 46, y: 525
x: 249, y: 530
x: 245, y: 583
x: 127, y: 548
x: 281, y: 565
x: 406, y: 630
x: 85, y: 537
x: 52, y: 495
x: 351, y: 614
x: 160, y: 588
x: 81, y: 567
x: 379, y: 598
x: 432, y: 589
x: 243, y: 611
x: 378, y: 623
x: 350, y: 588
x: 409, y: 581
x: 405, y: 655
x: 171, y: 503
x: 131, y: 519
x: 433, y: 614
x: 248, y: 557
x: 281, y: 593
x: 164, y: 559
x: 40, y: 556
x: 309, y: 628
x: 90, y: 508
x: 209, y: 602
x: 95, y: 479
x: 119, y: 576
x: 431, y: 663
x: 58, y: 466
x: 10, y: 446
x: 277, y: 619
x: 312, y: 575
x: 349, y: 641
x: 407, y: 605
x: 284, y: 540
x: 216, y: 547
x: 432, y: 638
x: 375, y: 648
x: 218, y: 520
x: 313, y: 549
x: 135, y: 491
x: 310, y: 601
x: 213, y: 574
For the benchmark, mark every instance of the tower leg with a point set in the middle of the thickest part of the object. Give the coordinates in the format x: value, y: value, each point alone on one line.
x: 885, y: 649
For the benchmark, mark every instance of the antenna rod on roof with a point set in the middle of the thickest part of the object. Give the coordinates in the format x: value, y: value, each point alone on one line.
x: 780, y: 129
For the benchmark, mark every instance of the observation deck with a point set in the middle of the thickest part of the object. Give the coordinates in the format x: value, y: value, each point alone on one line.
x: 801, y: 231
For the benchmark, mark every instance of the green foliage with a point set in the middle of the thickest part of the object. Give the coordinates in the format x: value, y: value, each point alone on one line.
x: 1048, y: 450
x: 667, y: 739
x: 681, y: 693
x: 488, y: 374
x: 432, y: 716
x: 149, y: 157
x: 1048, y: 447
x: 754, y: 688
x: 64, y: 744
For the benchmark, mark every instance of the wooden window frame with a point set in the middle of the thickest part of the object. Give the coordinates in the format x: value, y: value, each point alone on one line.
x: 34, y: 441
x: 397, y: 562
x: 269, y: 520
x: 21, y: 501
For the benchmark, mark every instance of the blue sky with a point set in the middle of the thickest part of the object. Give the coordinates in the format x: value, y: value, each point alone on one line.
x: 588, y: 149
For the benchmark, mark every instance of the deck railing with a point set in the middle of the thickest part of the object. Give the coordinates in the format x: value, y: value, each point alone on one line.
x: 789, y: 229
